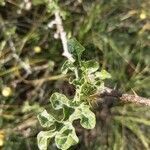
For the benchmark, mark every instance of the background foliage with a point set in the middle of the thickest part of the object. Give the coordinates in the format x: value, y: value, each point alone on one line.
x: 115, y: 33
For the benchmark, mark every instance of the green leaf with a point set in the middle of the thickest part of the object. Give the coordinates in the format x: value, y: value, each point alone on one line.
x: 75, y: 48
x: 66, y: 137
x: 86, y: 116
x: 67, y: 112
x: 46, y: 120
x: 59, y: 100
x: 103, y: 74
x: 88, y: 119
x: 87, y: 89
x: 89, y: 66
x: 76, y: 82
x: 74, y: 116
x: 67, y: 66
x: 43, y: 138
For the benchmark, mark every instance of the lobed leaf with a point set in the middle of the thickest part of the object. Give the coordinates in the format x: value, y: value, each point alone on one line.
x: 89, y: 66
x: 88, y: 119
x: 46, y: 120
x: 75, y: 48
x: 43, y: 139
x: 102, y: 75
x: 59, y: 100
x: 66, y: 137
x: 67, y: 66
x: 87, y: 89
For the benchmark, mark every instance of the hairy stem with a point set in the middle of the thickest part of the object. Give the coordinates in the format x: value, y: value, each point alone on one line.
x: 111, y: 94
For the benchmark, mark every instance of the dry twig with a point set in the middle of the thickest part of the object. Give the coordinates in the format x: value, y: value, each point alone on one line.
x: 111, y: 94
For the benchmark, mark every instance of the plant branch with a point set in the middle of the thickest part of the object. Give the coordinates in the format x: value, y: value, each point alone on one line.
x: 61, y: 32
x: 111, y: 94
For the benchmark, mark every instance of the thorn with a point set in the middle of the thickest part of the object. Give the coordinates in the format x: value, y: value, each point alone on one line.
x: 115, y: 87
x: 134, y: 93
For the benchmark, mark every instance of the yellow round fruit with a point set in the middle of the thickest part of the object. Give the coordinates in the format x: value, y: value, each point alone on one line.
x: 6, y: 91
x: 37, y: 49
x: 143, y: 15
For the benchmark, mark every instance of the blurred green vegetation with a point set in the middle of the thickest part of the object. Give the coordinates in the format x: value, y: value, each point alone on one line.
x: 116, y: 33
